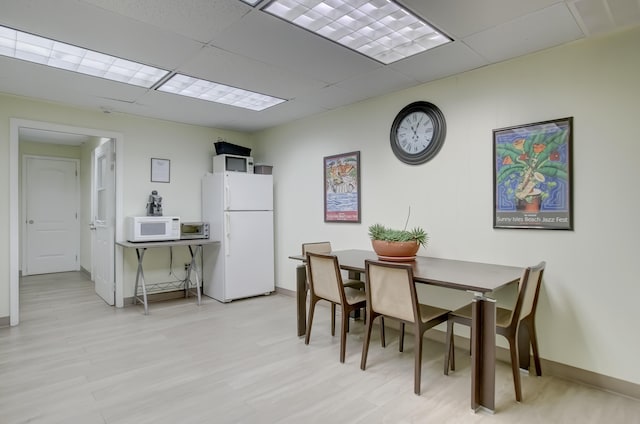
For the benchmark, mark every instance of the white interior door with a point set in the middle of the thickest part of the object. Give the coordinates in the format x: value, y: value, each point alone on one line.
x: 52, y: 232
x: 103, y: 223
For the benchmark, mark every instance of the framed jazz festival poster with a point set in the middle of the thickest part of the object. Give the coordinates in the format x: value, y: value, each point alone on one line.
x: 532, y: 176
x: 342, y: 188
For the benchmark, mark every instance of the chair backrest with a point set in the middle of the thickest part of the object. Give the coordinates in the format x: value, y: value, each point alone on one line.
x: 528, y: 291
x: 391, y: 290
x: 316, y: 247
x: 324, y: 276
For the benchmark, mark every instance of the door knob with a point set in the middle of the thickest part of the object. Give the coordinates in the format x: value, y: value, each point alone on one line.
x: 31, y: 221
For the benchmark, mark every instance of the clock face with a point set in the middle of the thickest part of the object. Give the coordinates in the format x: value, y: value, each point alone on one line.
x: 417, y: 133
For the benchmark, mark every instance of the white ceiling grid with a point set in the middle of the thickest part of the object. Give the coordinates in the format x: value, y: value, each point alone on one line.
x: 232, y: 43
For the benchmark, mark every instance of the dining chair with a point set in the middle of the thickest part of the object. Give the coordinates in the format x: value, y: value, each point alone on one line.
x: 325, y: 247
x: 509, y: 322
x: 391, y: 292
x: 325, y: 283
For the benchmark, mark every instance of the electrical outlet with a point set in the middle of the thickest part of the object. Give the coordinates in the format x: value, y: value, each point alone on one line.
x: 186, y: 267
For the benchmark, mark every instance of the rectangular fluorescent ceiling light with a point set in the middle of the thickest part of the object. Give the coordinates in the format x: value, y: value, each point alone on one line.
x: 219, y: 93
x: 45, y: 51
x: 379, y: 29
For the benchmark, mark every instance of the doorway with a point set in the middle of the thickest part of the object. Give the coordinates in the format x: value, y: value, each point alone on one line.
x: 14, y: 213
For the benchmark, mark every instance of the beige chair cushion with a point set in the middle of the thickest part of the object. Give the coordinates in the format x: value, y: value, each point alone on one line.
x: 354, y: 296
x: 428, y: 312
x: 503, y: 316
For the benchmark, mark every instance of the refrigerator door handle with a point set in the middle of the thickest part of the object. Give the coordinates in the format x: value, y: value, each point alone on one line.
x: 227, y: 233
x: 226, y: 196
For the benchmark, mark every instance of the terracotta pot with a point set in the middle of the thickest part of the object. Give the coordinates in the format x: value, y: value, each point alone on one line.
x: 395, y: 250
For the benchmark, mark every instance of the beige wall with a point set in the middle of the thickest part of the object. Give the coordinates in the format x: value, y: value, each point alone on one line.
x: 591, y: 290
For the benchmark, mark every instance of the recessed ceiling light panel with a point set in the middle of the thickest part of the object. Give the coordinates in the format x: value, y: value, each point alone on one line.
x: 45, y: 51
x: 380, y: 29
x: 219, y: 93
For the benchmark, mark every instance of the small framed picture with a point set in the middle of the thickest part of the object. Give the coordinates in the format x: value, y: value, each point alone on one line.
x: 342, y: 188
x: 160, y: 170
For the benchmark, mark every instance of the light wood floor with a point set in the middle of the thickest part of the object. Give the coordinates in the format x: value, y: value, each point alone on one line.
x: 73, y: 359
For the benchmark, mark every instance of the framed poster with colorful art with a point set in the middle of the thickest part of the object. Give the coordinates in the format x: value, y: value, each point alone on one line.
x: 532, y: 183
x: 342, y: 188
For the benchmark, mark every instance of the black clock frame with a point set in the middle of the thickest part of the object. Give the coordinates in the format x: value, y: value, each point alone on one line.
x: 439, y: 133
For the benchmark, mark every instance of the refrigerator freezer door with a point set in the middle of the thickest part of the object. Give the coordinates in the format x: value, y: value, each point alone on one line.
x: 247, y: 192
x: 248, y: 250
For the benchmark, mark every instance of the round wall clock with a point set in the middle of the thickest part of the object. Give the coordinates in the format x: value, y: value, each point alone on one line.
x: 418, y: 132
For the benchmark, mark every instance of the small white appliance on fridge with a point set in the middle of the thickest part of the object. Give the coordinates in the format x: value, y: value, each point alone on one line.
x: 239, y: 209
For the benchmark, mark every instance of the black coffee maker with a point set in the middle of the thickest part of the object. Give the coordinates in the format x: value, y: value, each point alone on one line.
x: 154, y: 205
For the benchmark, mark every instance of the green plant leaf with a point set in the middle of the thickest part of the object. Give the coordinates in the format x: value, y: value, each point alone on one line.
x: 508, y: 170
x: 554, y: 169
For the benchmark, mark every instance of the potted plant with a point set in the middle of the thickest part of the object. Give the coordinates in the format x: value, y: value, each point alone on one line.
x: 397, y: 245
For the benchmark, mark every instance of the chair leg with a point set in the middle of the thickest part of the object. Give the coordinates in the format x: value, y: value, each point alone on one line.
x: 383, y: 343
x: 418, y: 364
x: 312, y: 307
x: 348, y: 316
x: 344, y: 324
x: 333, y: 319
x: 534, y: 345
x: 515, y: 367
x: 449, y: 349
x: 367, y: 339
x: 401, y: 342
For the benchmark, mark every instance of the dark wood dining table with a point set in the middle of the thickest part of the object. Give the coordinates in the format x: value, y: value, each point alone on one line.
x: 477, y: 278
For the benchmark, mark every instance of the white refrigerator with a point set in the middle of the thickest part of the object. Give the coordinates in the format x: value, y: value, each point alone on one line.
x: 239, y: 209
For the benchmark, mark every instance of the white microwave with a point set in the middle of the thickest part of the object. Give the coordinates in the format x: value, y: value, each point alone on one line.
x: 152, y: 228
x: 233, y: 163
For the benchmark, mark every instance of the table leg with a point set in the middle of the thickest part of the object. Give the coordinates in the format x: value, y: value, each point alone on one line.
x: 301, y: 298
x: 483, y: 353
x: 193, y: 267
x: 140, y: 277
x: 355, y: 275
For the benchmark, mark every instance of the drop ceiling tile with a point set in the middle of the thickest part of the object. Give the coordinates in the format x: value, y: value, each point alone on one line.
x: 599, y: 16
x: 546, y: 28
x: 375, y: 83
x: 228, y: 68
x: 461, y: 18
x: 200, y: 20
x: 440, y: 62
x: 625, y: 12
x: 271, y: 40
